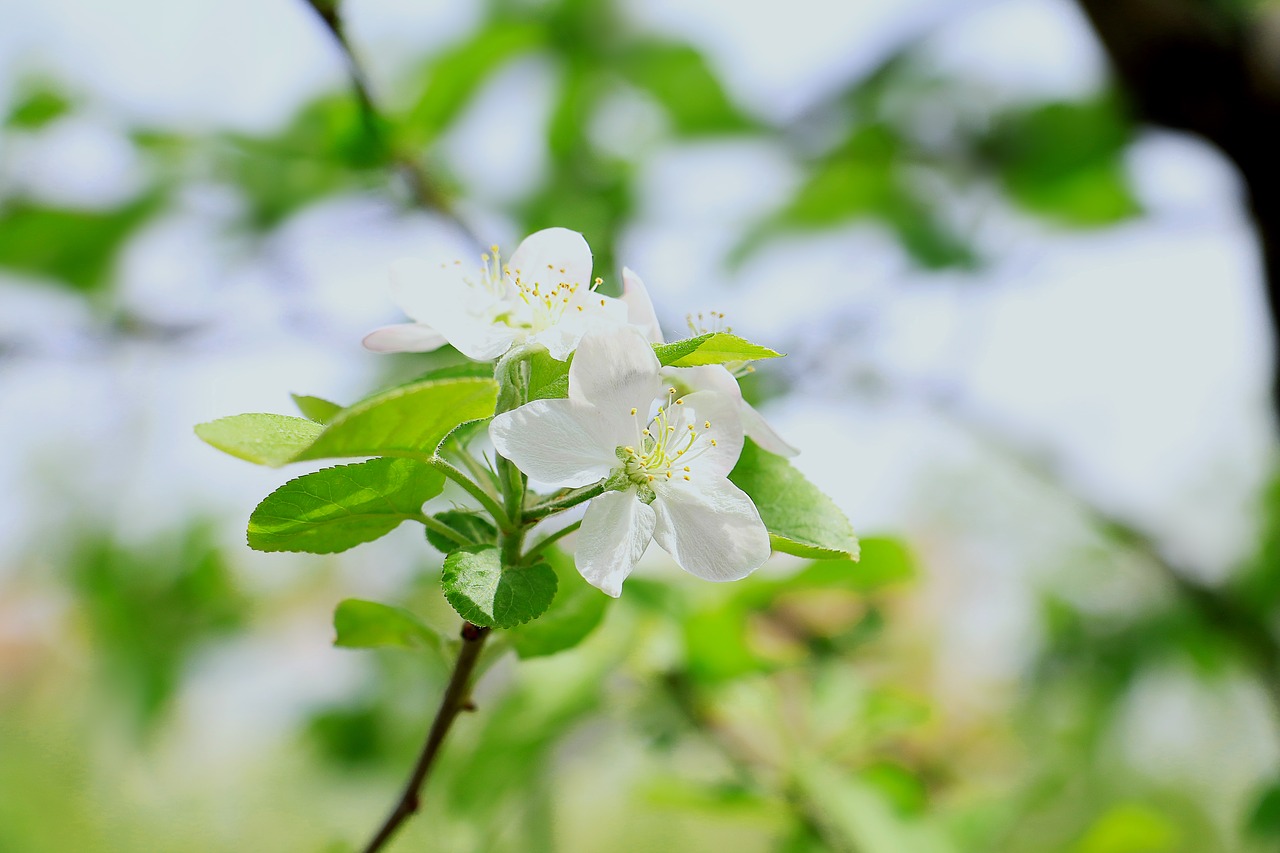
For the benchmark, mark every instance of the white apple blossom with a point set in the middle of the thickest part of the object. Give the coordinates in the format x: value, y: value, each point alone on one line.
x: 711, y: 377
x: 671, y: 464
x: 544, y: 295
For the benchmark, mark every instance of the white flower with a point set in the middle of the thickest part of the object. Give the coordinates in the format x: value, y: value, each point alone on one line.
x: 712, y: 377
x: 543, y: 295
x: 674, y: 464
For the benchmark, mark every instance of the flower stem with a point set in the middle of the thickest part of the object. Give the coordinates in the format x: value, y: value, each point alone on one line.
x: 564, y: 501
x: 486, y: 500
x: 550, y: 540
x: 455, y: 700
x: 443, y: 529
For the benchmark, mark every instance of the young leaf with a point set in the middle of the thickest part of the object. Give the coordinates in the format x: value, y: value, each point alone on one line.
x: 370, y: 625
x: 338, y: 508
x: 262, y: 439
x: 548, y: 378
x: 485, y: 594
x: 711, y: 348
x: 410, y: 420
x: 474, y: 527
x: 801, y: 520
x: 577, y: 610
x: 315, y: 409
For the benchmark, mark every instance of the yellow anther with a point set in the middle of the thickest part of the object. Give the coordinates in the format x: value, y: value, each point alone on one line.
x: 713, y: 442
x: 686, y: 467
x: 633, y: 410
x: 706, y: 424
x: 561, y: 270
x: 551, y: 267
x: 650, y: 478
x: 680, y: 402
x: 686, y: 476
x: 668, y: 475
x: 601, y: 303
x: 645, y: 432
x: 579, y: 307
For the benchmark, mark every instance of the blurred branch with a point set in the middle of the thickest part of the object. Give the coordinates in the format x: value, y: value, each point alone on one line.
x: 1213, y: 69
x: 748, y: 764
x: 424, y: 192
x: 1215, y: 606
x: 455, y: 700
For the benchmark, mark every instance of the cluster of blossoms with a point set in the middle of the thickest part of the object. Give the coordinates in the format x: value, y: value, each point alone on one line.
x: 660, y: 440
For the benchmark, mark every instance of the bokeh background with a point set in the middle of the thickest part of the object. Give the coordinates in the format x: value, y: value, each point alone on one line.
x: 1029, y: 355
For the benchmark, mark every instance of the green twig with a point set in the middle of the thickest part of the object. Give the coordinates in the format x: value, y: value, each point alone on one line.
x: 563, y: 501
x: 443, y: 529
x: 550, y: 540
x: 486, y: 500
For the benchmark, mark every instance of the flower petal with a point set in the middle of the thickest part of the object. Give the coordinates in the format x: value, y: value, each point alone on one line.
x: 616, y: 530
x: 615, y: 371
x: 552, y: 256
x: 404, y: 337
x: 640, y: 311
x: 759, y: 431
x: 599, y: 313
x: 441, y: 297
x: 721, y: 411
x: 555, y: 441
x: 709, y: 377
x: 711, y: 528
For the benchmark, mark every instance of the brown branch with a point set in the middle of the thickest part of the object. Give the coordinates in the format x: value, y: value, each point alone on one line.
x: 456, y: 699
x: 424, y: 192
x: 1212, y: 69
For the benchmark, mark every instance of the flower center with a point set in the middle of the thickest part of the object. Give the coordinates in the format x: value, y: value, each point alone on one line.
x: 664, y: 448
x: 545, y: 297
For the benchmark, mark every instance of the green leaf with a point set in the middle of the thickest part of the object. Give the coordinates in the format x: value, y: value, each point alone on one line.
x: 469, y: 524
x: 410, y: 420
x: 37, y: 108
x: 457, y: 73
x: 710, y: 348
x: 260, y: 438
x: 884, y: 561
x: 548, y: 378
x: 315, y: 409
x: 369, y: 625
x: 577, y: 610
x: 484, y: 593
x: 77, y: 247
x: 338, y: 508
x: 1065, y: 160
x: 679, y: 77
x: 801, y: 520
x: 1264, y: 815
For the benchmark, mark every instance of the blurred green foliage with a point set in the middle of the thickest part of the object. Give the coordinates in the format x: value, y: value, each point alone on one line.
x: 789, y: 713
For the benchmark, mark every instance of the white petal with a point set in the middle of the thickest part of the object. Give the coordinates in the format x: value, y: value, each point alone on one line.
x: 555, y: 441
x: 709, y: 377
x: 759, y: 431
x: 552, y: 256
x: 616, y: 371
x: 441, y: 298
x: 404, y: 337
x: 711, y: 528
x: 639, y: 306
x: 562, y: 338
x: 721, y: 411
x: 616, y: 530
